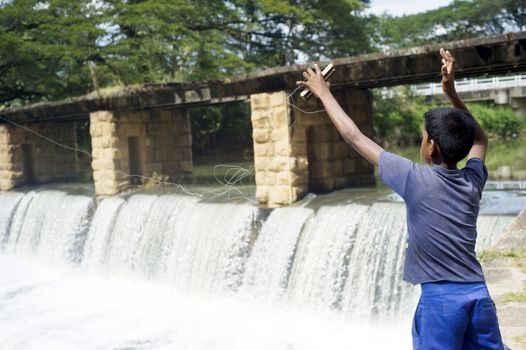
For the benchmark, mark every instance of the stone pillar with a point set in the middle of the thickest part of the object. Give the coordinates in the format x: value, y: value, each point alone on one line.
x: 280, y: 152
x: 295, y: 152
x: 28, y: 158
x: 10, y: 170
x: 144, y: 143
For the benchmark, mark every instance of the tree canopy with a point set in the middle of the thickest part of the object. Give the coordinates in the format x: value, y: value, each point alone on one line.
x: 459, y: 20
x: 48, y: 47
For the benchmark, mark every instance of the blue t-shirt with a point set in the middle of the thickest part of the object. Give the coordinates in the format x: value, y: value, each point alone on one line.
x: 442, y: 207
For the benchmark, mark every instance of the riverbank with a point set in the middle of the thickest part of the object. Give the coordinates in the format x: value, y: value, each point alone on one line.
x: 505, y: 271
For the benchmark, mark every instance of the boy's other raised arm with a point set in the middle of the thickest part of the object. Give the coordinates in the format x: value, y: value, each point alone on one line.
x: 480, y: 144
x: 350, y: 132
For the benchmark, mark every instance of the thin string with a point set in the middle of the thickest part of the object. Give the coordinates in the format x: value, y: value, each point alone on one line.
x: 290, y: 102
x: 46, y: 138
x: 234, y: 174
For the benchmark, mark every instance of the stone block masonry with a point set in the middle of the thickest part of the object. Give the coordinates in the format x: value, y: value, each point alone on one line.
x: 26, y: 158
x: 296, y: 152
x: 334, y: 164
x: 280, y: 153
x: 129, y: 145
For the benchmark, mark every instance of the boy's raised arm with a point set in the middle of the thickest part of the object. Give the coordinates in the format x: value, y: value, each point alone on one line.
x: 350, y: 132
x: 480, y: 145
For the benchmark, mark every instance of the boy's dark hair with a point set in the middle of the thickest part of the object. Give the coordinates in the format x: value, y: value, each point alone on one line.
x: 453, y: 130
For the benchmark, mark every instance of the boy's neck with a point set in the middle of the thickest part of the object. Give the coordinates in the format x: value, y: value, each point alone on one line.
x: 448, y: 166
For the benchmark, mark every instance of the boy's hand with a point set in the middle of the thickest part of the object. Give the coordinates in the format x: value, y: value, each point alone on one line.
x: 315, y: 82
x: 448, y: 71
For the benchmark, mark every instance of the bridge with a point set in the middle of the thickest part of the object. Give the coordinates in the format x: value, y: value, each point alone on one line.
x: 146, y: 129
x: 502, y: 90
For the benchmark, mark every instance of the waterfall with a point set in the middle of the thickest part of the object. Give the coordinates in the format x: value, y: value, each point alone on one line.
x: 9, y: 203
x: 374, y: 285
x: 51, y: 225
x: 346, y: 258
x: 269, y: 264
x: 97, y: 242
x: 321, y: 263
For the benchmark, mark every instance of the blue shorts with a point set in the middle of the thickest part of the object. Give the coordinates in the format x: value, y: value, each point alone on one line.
x: 452, y: 316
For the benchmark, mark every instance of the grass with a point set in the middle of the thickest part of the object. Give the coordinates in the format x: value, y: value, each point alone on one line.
x: 488, y: 255
x: 518, y: 256
x: 509, y: 152
x: 514, y: 298
x: 521, y: 338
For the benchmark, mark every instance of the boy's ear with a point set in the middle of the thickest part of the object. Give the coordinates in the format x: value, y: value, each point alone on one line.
x: 434, y: 150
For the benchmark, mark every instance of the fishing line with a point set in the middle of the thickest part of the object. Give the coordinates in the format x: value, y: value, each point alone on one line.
x: 46, y: 138
x: 290, y: 102
x: 234, y: 174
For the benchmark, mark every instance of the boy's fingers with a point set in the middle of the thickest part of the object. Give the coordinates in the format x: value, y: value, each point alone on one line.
x: 444, y: 69
x: 318, y: 70
x: 310, y: 71
x: 447, y: 55
x: 299, y: 82
x: 306, y: 75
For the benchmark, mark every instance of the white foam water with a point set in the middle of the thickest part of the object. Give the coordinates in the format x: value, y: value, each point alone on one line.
x: 64, y: 309
x: 267, y: 271
x: 51, y: 225
x: 321, y: 263
x: 9, y: 202
x: 340, y: 266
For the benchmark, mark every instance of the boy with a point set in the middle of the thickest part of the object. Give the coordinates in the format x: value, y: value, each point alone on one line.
x: 455, y: 310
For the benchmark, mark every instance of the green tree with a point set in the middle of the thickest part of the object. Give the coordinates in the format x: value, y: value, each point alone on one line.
x: 44, y: 48
x: 398, y: 119
x: 459, y: 20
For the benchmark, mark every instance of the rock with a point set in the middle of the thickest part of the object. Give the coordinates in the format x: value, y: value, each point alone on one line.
x: 514, y: 238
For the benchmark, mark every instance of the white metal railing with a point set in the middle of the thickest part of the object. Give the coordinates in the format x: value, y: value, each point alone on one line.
x: 467, y: 85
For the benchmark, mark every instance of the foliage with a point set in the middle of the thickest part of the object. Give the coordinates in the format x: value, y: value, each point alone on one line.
x: 514, y: 298
x: 46, y: 47
x: 507, y: 152
x: 459, y: 20
x: 490, y: 255
x: 398, y: 120
x: 398, y: 123
x: 498, y: 121
x: 220, y: 126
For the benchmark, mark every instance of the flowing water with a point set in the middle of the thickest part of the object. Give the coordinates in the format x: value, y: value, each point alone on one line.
x: 166, y: 271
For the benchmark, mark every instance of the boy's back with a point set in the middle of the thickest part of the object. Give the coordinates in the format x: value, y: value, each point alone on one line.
x: 442, y: 209
x: 455, y: 310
